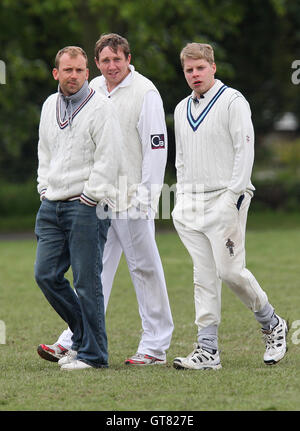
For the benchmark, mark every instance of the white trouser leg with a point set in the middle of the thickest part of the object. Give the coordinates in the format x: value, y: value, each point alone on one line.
x: 137, y: 238
x: 111, y: 258
x: 227, y: 237
x: 65, y: 339
x: 216, y: 243
x: 207, y: 285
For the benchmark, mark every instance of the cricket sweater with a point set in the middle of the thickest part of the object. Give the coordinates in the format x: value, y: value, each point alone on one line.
x: 81, y: 158
x: 142, y: 120
x: 214, y: 142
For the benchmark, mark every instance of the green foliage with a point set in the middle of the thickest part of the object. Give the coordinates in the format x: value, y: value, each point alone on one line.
x: 277, y: 193
x: 250, y: 56
x: 19, y: 199
x: 287, y: 153
x: 25, y: 34
x: 277, y: 175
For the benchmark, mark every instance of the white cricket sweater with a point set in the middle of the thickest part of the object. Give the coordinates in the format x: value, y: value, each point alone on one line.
x: 214, y: 148
x: 142, y: 119
x: 81, y: 159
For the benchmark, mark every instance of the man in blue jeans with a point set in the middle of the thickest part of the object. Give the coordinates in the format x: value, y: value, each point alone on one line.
x: 79, y: 164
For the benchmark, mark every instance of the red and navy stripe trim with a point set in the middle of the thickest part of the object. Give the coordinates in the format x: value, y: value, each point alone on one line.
x: 88, y: 201
x: 64, y: 124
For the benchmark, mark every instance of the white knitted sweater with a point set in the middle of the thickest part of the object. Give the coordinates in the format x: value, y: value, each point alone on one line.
x: 81, y: 159
x: 215, y: 150
x: 139, y: 120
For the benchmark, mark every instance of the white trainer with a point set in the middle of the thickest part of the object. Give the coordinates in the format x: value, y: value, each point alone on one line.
x: 275, y: 340
x: 141, y: 360
x: 198, y: 359
x: 75, y: 365
x: 69, y: 357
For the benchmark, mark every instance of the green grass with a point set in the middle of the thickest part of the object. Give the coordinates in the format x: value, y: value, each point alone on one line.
x: 244, y: 383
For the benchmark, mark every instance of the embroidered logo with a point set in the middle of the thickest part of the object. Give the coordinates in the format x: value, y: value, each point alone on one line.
x: 157, y: 141
x: 230, y: 245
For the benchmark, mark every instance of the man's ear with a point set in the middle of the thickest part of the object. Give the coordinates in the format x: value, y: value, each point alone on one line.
x: 55, y: 74
x: 97, y: 62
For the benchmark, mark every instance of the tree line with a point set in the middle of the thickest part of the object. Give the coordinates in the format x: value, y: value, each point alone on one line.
x: 255, y: 44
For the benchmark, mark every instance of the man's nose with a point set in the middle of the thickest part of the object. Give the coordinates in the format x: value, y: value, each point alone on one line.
x: 74, y: 74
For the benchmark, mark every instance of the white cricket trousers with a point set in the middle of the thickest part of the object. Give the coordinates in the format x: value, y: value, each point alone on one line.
x: 215, y: 240
x: 136, y: 238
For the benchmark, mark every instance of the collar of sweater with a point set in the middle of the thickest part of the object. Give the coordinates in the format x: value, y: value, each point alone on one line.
x: 125, y: 83
x: 69, y: 104
x: 209, y: 93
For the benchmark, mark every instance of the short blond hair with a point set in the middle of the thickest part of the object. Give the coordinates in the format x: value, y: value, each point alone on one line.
x: 197, y: 51
x: 73, y: 51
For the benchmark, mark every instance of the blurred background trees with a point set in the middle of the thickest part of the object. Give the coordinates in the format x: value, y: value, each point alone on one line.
x: 255, y: 45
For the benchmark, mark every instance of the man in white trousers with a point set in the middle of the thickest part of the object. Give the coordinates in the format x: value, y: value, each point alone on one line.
x: 132, y: 231
x: 214, y: 157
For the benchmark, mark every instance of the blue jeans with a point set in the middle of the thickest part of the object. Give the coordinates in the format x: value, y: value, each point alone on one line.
x: 70, y: 234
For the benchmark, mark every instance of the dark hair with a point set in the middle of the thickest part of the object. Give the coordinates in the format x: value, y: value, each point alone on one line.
x: 113, y: 41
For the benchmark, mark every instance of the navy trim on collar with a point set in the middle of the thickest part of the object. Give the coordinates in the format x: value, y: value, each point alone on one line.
x: 195, y: 123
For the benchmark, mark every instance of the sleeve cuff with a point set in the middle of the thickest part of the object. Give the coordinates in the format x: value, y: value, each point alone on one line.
x: 109, y: 202
x: 42, y: 194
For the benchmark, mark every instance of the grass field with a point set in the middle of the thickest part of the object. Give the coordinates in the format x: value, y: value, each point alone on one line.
x: 28, y: 383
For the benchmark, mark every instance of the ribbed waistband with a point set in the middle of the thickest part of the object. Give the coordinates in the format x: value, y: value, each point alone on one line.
x: 73, y: 198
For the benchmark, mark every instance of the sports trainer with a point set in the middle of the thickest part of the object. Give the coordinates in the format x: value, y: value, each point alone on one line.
x: 79, y: 164
x: 142, y: 119
x: 214, y: 157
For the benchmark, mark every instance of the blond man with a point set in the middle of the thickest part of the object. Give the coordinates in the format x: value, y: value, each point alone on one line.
x: 214, y: 158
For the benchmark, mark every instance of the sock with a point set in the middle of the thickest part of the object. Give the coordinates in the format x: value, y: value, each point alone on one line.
x: 208, y: 338
x: 266, y: 317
